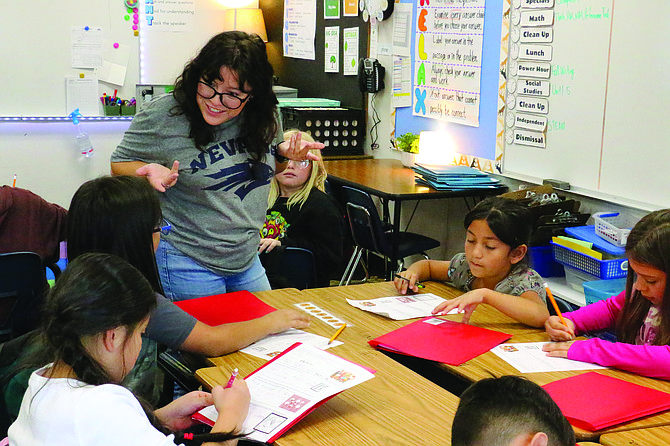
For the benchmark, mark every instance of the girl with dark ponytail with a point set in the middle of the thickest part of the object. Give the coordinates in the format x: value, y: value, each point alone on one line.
x: 94, y: 319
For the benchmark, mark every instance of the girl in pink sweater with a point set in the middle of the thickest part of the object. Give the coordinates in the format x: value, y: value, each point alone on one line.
x: 640, y: 314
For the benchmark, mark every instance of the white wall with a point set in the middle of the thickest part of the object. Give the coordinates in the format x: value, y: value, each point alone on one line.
x: 45, y: 158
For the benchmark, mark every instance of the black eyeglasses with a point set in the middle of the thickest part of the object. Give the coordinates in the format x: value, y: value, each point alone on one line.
x: 165, y: 228
x: 228, y: 100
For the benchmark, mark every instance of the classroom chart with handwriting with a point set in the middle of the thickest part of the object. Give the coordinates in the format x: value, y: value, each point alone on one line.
x: 584, y: 96
x: 448, y: 60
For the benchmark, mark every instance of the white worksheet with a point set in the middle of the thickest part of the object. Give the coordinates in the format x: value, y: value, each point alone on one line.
x: 529, y: 358
x: 290, y: 386
x: 399, y: 308
x: 272, y: 345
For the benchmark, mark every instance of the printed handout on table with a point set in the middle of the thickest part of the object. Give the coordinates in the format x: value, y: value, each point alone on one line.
x: 530, y: 358
x: 401, y: 307
x: 290, y: 386
x: 272, y: 345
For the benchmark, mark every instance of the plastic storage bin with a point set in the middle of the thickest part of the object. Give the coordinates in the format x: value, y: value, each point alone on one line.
x: 341, y: 129
x: 603, y: 289
x: 588, y: 233
x: 541, y: 259
x: 576, y: 278
x: 601, y: 269
x: 614, y: 227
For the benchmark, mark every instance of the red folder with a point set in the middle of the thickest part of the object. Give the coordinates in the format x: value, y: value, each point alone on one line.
x: 226, y: 308
x: 593, y: 401
x: 440, y: 340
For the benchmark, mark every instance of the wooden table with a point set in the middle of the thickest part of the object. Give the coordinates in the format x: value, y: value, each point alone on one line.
x: 639, y: 437
x: 490, y: 365
x: 389, y: 180
x: 484, y: 366
x: 397, y: 407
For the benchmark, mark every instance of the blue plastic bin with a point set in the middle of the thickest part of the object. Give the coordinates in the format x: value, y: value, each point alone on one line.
x: 604, y: 269
x: 603, y: 289
x: 541, y: 259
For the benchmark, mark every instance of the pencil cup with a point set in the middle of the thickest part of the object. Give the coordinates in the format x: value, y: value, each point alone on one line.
x: 127, y: 110
x: 112, y: 110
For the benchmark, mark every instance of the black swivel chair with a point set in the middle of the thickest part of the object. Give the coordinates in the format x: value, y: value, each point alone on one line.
x: 23, y: 287
x: 370, y: 234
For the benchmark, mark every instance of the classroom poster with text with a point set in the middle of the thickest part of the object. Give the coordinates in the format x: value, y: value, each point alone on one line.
x: 299, y: 28
x: 448, y: 60
x: 169, y: 15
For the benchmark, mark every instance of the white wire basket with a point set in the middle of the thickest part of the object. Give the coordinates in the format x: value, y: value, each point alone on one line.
x: 614, y: 226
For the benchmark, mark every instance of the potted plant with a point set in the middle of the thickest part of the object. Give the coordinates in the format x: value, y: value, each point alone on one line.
x: 408, y: 143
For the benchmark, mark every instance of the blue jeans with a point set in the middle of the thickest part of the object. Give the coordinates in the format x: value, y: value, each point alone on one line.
x: 183, y: 278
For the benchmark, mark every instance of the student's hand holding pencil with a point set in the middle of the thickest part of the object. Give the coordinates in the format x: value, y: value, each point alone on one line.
x: 407, y: 281
x: 557, y: 331
x: 232, y: 404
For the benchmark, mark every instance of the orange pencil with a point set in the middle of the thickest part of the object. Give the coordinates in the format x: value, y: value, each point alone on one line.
x: 553, y: 302
x: 337, y: 333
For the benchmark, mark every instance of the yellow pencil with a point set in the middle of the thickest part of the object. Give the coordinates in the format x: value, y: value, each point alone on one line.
x: 337, y: 333
x: 553, y: 302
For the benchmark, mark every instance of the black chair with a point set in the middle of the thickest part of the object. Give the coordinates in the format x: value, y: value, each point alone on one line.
x: 290, y: 267
x: 370, y: 234
x: 299, y: 267
x: 23, y: 287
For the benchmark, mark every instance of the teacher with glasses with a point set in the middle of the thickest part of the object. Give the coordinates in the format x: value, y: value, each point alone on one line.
x: 211, y: 148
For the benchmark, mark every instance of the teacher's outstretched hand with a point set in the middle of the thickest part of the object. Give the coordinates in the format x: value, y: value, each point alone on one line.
x: 297, y: 149
x: 160, y: 177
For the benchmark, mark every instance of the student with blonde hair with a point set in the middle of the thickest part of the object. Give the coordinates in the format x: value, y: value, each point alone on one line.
x: 301, y: 214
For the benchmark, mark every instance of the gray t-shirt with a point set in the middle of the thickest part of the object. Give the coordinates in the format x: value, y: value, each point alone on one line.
x: 169, y: 325
x: 218, y: 204
x: 517, y: 282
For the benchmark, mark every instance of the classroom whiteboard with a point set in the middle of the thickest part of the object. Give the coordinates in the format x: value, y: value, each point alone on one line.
x: 606, y: 133
x: 35, y: 52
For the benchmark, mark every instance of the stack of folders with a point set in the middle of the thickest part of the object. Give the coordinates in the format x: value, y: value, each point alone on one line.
x: 454, y: 177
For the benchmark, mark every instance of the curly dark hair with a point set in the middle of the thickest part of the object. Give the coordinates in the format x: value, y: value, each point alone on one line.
x: 246, y: 56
